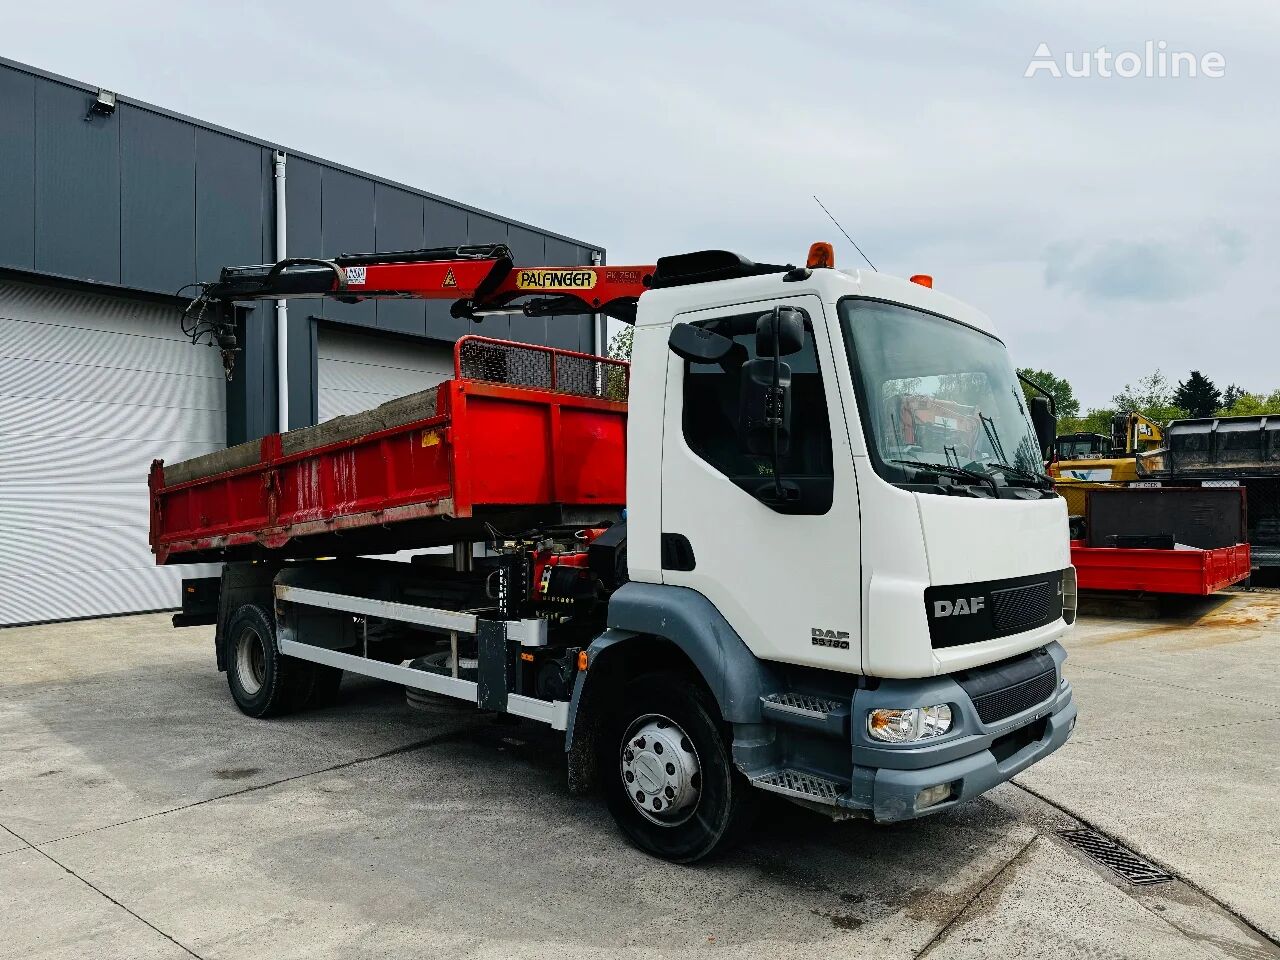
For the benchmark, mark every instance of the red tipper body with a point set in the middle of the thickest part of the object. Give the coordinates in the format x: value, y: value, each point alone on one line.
x: 486, y: 447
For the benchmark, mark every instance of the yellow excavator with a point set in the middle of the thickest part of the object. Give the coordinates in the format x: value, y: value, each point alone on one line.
x: 1134, y: 451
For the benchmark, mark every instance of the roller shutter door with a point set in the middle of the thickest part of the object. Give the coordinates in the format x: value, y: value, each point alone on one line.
x: 92, y: 389
x: 358, y: 371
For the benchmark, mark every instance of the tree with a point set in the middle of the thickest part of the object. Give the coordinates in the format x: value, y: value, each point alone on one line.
x: 1095, y: 421
x: 1231, y: 396
x: 1064, y: 397
x: 620, y: 344
x: 1152, y: 397
x: 1151, y: 391
x: 616, y: 381
x: 1197, y: 395
x: 1252, y: 405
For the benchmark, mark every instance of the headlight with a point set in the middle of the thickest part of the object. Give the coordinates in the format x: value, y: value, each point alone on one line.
x: 905, y: 726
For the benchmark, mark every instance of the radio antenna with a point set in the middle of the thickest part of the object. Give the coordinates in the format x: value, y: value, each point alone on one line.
x: 845, y: 232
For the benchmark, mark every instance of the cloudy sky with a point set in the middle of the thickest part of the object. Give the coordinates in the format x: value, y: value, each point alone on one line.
x: 1110, y: 226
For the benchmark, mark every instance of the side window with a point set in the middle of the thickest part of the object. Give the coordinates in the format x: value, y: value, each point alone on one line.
x: 711, y: 419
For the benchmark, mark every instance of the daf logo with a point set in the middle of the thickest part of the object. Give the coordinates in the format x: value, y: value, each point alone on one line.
x: 958, y: 608
x: 830, y: 638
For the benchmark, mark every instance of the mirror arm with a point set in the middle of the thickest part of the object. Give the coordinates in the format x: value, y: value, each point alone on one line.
x: 1053, y: 405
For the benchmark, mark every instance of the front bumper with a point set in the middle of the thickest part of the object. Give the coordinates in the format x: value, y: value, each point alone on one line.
x: 972, y: 758
x: 893, y: 792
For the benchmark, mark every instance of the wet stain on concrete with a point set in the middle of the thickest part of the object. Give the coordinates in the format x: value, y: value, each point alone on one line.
x: 841, y: 921
x: 236, y: 773
x: 1200, y: 623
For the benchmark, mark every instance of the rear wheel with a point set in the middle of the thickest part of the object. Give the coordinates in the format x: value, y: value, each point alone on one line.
x: 263, y: 683
x: 669, y: 777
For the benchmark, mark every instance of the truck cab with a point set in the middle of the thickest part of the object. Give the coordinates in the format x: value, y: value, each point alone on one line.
x: 910, y: 583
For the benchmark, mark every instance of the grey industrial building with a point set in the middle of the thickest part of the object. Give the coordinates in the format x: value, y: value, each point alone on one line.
x: 105, y: 213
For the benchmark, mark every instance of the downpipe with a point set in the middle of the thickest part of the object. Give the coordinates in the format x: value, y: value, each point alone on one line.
x: 282, y: 305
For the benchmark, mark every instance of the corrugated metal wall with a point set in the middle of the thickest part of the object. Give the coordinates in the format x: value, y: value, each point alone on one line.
x: 356, y: 371
x: 92, y: 389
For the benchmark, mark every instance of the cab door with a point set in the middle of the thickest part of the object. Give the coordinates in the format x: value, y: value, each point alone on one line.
x: 785, y: 574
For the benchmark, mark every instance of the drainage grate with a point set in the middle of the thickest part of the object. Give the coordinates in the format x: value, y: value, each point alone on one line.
x: 1110, y: 854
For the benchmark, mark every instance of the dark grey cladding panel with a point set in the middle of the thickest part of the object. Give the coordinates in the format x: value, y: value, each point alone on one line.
x: 445, y: 226
x: 77, y: 186
x: 528, y: 249
x: 482, y: 229
x: 302, y: 202
x: 229, y: 202
x: 251, y: 394
x: 102, y: 201
x: 398, y: 219
x: 268, y: 231
x: 157, y: 200
x: 17, y: 170
x: 346, y: 223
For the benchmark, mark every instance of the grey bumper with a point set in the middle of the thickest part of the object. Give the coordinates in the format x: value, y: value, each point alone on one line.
x: 894, y: 792
x: 972, y: 758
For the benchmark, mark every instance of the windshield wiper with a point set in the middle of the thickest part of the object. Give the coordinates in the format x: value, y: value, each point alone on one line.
x: 949, y: 470
x: 1039, y: 479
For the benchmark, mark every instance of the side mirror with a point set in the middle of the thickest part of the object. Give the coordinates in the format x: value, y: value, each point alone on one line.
x: 764, y: 408
x: 780, y: 333
x: 698, y: 344
x: 1045, y: 423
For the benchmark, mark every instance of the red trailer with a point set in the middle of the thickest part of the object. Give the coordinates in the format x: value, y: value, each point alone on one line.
x: 1185, y: 570
x: 1186, y: 540
x: 524, y: 435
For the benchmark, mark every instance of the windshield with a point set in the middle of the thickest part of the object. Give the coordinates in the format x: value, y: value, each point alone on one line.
x: 938, y: 398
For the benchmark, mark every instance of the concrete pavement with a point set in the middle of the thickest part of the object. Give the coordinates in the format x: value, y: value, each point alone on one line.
x: 1177, y: 750
x: 143, y: 816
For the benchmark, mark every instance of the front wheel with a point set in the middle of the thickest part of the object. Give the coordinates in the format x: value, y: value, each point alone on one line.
x: 669, y: 777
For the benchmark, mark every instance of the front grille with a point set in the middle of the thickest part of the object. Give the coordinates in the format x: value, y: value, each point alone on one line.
x: 1021, y: 607
x: 1003, y: 703
x: 804, y: 703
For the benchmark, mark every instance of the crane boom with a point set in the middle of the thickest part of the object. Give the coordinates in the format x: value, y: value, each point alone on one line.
x: 481, y: 280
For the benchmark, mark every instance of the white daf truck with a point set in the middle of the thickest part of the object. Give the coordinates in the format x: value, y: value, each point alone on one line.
x: 841, y: 574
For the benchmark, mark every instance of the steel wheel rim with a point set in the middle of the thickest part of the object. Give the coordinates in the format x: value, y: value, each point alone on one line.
x: 660, y: 769
x: 251, y: 661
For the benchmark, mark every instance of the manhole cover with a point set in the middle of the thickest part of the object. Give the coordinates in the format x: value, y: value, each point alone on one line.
x: 1110, y: 854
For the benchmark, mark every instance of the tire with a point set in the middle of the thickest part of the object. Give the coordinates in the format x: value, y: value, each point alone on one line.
x: 667, y: 771
x: 263, y: 682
